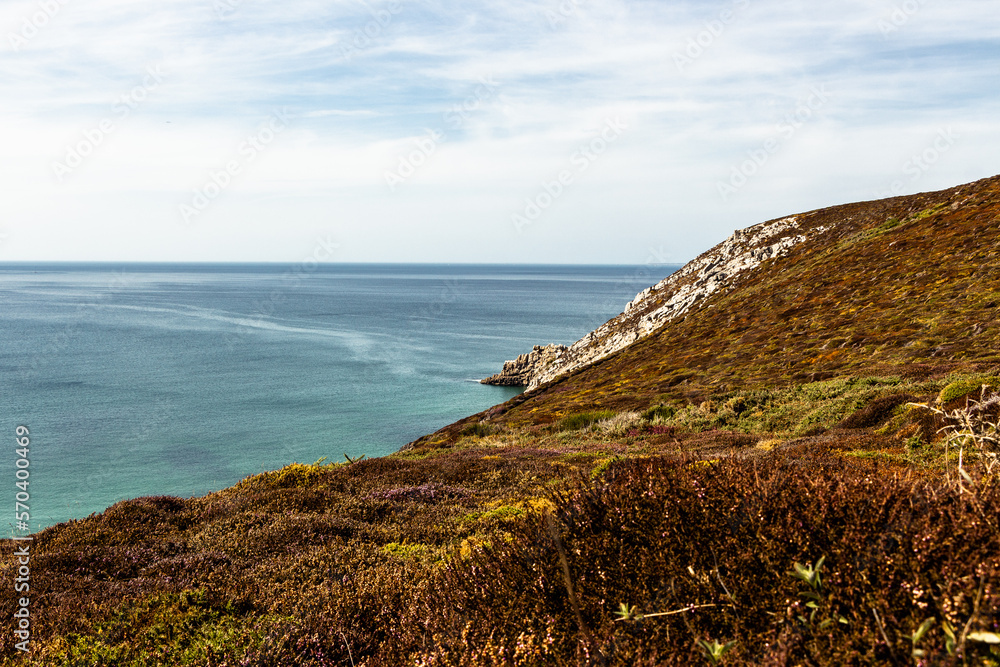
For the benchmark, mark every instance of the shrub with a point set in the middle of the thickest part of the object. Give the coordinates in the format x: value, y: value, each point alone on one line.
x: 406, y: 550
x: 602, y: 466
x: 294, y: 475
x: 619, y: 424
x: 713, y: 550
x: 478, y: 430
x: 661, y: 412
x: 966, y: 387
x: 970, y: 428
x: 876, y: 412
x: 425, y: 493
x: 582, y: 420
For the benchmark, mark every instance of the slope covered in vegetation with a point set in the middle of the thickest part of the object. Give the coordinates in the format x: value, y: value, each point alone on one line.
x: 772, y: 479
x: 907, y: 287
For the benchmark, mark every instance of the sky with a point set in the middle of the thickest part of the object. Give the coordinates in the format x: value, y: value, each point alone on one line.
x: 553, y: 131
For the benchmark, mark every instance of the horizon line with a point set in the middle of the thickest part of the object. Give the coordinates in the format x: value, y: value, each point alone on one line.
x: 103, y: 262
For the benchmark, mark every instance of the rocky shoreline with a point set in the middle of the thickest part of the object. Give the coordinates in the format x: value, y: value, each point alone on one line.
x: 521, y: 371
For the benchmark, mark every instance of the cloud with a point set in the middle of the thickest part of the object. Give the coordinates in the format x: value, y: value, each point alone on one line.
x: 702, y: 87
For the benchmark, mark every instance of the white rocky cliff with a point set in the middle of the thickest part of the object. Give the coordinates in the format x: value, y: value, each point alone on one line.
x: 713, y: 271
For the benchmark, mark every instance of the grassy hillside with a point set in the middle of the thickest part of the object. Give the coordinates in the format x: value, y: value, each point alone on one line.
x: 765, y: 481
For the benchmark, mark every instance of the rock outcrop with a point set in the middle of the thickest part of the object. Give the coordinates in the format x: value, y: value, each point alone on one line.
x: 715, y: 270
x: 521, y: 371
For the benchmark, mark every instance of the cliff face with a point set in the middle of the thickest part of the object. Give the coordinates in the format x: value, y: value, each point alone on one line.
x: 521, y: 371
x: 719, y: 269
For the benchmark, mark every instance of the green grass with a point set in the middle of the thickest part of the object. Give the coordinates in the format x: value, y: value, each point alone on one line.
x: 791, y: 411
x: 662, y: 412
x: 583, y: 420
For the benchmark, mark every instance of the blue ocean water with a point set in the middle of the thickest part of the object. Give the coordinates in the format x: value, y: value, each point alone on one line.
x: 180, y: 379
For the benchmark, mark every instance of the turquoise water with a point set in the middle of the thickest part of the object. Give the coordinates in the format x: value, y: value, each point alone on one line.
x: 180, y: 379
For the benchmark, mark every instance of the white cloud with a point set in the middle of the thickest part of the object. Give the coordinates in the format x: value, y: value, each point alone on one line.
x: 362, y: 81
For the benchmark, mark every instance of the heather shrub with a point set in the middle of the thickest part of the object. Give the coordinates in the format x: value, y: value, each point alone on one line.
x: 526, y: 556
x: 717, y: 545
x: 425, y: 493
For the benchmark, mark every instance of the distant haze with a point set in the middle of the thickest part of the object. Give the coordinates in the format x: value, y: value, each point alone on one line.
x: 566, y: 131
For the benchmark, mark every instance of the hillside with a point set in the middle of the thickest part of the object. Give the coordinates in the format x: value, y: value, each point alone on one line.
x: 756, y: 463
x: 907, y: 287
x: 718, y: 270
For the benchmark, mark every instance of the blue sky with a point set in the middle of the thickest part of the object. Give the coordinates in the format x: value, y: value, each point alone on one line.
x: 583, y: 131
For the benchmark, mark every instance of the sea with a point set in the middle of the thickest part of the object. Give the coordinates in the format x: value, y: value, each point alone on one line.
x: 179, y: 379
